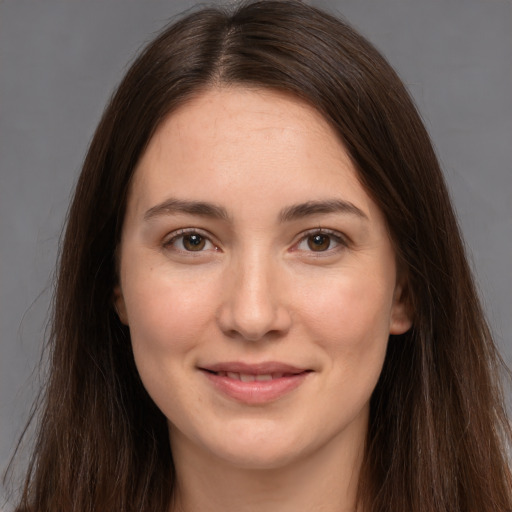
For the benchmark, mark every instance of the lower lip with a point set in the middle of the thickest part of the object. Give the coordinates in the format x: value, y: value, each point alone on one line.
x: 256, y: 392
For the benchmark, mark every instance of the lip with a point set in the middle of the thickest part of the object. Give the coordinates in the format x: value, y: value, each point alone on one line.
x: 285, y: 379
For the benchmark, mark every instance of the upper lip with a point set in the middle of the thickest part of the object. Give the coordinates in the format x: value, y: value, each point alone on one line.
x: 263, y: 368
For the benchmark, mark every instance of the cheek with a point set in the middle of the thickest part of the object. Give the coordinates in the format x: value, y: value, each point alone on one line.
x: 350, y: 317
x: 351, y: 325
x: 168, y: 319
x: 167, y: 314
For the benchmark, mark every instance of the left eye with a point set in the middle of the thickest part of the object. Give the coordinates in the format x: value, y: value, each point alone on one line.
x: 320, y: 242
x: 190, y: 242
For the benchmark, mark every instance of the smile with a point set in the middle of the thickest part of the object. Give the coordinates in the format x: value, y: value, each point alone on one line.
x: 255, y: 384
x: 247, y: 377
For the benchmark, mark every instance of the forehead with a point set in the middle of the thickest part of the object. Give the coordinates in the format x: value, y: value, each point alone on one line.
x: 237, y: 145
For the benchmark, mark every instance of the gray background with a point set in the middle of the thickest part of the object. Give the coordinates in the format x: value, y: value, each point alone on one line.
x: 60, y: 60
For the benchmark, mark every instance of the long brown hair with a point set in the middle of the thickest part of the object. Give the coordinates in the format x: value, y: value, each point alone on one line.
x: 438, y: 432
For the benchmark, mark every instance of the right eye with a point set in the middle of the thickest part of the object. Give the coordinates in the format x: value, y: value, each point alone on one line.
x: 190, y: 241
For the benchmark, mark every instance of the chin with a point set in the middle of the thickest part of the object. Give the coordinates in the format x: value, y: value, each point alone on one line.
x: 251, y: 445
x: 256, y: 458
x: 262, y: 449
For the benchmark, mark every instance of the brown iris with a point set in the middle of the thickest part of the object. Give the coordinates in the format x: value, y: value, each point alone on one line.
x: 194, y: 242
x: 319, y: 242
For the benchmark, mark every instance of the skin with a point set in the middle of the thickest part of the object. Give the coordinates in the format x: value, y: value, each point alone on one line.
x: 258, y: 289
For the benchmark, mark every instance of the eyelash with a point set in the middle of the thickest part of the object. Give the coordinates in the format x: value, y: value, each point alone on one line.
x: 333, y: 236
x: 182, y: 233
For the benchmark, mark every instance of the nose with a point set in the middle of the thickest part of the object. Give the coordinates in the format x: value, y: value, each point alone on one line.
x: 253, y: 306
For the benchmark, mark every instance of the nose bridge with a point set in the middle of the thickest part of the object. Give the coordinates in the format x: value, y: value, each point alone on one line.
x: 253, y: 305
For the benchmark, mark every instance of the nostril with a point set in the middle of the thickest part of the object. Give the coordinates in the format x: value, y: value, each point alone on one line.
x: 252, y: 308
x: 254, y: 328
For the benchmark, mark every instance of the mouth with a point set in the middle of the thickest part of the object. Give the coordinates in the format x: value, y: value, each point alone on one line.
x: 255, y: 384
x: 250, y: 377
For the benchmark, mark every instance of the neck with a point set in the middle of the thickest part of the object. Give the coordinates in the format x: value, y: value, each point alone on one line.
x: 325, y: 480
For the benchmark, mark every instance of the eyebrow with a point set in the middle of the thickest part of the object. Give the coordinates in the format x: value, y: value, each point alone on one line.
x: 299, y: 211
x: 201, y: 208
x: 288, y: 214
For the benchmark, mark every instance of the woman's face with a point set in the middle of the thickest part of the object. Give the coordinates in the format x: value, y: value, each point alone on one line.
x: 257, y: 279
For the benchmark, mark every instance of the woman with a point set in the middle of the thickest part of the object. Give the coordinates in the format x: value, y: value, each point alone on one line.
x: 263, y: 300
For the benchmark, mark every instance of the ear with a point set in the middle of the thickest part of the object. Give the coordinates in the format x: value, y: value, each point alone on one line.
x: 120, y: 305
x: 401, y: 312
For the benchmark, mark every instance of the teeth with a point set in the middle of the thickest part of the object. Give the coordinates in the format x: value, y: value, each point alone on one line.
x: 264, y: 377
x: 245, y: 377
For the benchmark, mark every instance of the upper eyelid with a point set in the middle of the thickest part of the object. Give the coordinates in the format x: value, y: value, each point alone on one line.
x: 324, y: 231
x: 344, y: 239
x: 186, y: 231
x: 173, y: 235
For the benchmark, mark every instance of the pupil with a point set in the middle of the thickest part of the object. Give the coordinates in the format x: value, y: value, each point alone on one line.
x: 194, y: 239
x: 319, y: 242
x: 193, y: 242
